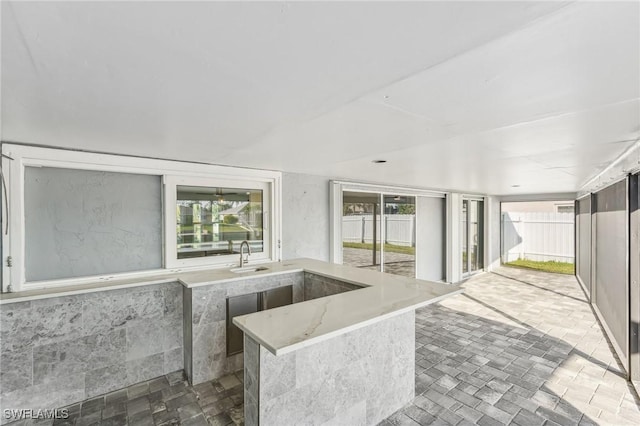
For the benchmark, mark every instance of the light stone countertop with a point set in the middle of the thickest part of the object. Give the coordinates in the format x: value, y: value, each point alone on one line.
x: 291, y: 327
x: 188, y: 278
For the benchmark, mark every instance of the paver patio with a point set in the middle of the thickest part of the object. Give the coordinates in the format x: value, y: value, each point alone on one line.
x: 395, y: 263
x: 518, y: 347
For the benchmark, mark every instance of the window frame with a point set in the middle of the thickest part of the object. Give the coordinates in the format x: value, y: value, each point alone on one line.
x: 21, y: 156
x: 171, y: 183
x: 337, y: 189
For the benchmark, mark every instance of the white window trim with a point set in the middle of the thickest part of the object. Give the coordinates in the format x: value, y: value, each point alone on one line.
x: 13, y: 278
x: 171, y: 251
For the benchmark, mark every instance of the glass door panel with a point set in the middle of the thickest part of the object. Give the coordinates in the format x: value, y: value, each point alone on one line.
x: 465, y: 237
x: 399, y: 235
x: 476, y: 235
x: 472, y: 236
x: 361, y: 230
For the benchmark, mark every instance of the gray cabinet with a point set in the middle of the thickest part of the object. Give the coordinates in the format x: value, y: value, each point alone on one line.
x: 236, y: 306
x: 248, y: 304
x: 277, y: 297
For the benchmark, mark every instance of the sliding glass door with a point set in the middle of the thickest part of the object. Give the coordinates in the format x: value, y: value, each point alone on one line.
x: 382, y: 242
x: 465, y: 237
x: 361, y: 230
x: 472, y: 227
x: 399, y: 230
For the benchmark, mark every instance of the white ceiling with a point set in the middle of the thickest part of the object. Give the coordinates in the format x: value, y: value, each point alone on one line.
x: 474, y: 96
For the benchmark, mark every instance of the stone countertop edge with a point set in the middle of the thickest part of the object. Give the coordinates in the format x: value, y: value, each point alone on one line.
x: 187, y: 278
x: 94, y: 287
x: 302, y: 341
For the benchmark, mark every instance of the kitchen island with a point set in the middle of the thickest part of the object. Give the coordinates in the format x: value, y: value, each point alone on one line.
x: 348, y: 330
x: 346, y: 358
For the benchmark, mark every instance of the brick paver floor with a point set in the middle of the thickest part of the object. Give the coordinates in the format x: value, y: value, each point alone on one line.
x: 166, y: 401
x: 518, y: 347
x: 395, y: 263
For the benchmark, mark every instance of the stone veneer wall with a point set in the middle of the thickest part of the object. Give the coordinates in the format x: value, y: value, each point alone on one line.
x: 358, y: 378
x: 206, y: 343
x: 316, y: 286
x: 57, y: 351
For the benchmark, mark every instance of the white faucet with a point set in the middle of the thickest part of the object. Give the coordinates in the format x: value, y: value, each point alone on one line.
x: 243, y: 260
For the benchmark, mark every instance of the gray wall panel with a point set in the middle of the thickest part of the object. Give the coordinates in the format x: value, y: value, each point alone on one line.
x: 305, y: 216
x: 611, y: 287
x: 634, y: 276
x: 81, y: 223
x: 430, y: 238
x: 583, y: 231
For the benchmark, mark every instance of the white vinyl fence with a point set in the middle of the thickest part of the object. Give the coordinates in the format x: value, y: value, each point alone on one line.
x: 538, y: 236
x: 399, y: 229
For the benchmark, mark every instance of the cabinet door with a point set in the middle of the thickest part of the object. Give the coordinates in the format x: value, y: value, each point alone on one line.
x: 277, y: 297
x: 236, y: 306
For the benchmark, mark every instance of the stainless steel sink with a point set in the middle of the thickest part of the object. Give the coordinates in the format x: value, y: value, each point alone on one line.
x: 248, y: 269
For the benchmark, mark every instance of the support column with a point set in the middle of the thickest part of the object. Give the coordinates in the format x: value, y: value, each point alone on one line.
x: 454, y: 248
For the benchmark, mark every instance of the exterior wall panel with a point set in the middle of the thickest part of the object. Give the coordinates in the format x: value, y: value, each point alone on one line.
x: 611, y: 289
x: 583, y: 246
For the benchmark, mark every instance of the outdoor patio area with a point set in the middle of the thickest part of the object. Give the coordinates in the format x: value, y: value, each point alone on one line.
x: 395, y: 263
x: 320, y: 213
x: 518, y: 347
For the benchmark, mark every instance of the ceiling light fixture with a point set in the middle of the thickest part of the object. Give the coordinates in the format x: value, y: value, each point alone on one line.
x: 379, y: 161
x: 515, y: 186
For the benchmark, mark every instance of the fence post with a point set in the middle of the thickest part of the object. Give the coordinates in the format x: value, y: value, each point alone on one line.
x: 522, y: 226
x: 413, y: 230
x: 503, y: 254
x: 362, y: 230
x: 386, y: 229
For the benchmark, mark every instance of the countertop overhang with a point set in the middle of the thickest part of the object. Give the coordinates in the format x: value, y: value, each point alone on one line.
x: 289, y: 328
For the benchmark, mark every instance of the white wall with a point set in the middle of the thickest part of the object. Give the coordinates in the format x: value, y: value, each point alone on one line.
x: 430, y: 238
x: 535, y: 206
x: 305, y: 216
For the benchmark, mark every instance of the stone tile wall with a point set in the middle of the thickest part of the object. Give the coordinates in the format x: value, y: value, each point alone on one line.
x: 251, y: 381
x: 208, y: 345
x: 54, y: 352
x: 358, y: 378
x: 57, y: 351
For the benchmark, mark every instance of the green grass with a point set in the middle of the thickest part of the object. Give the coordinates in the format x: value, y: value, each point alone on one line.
x: 549, y: 266
x: 387, y: 247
